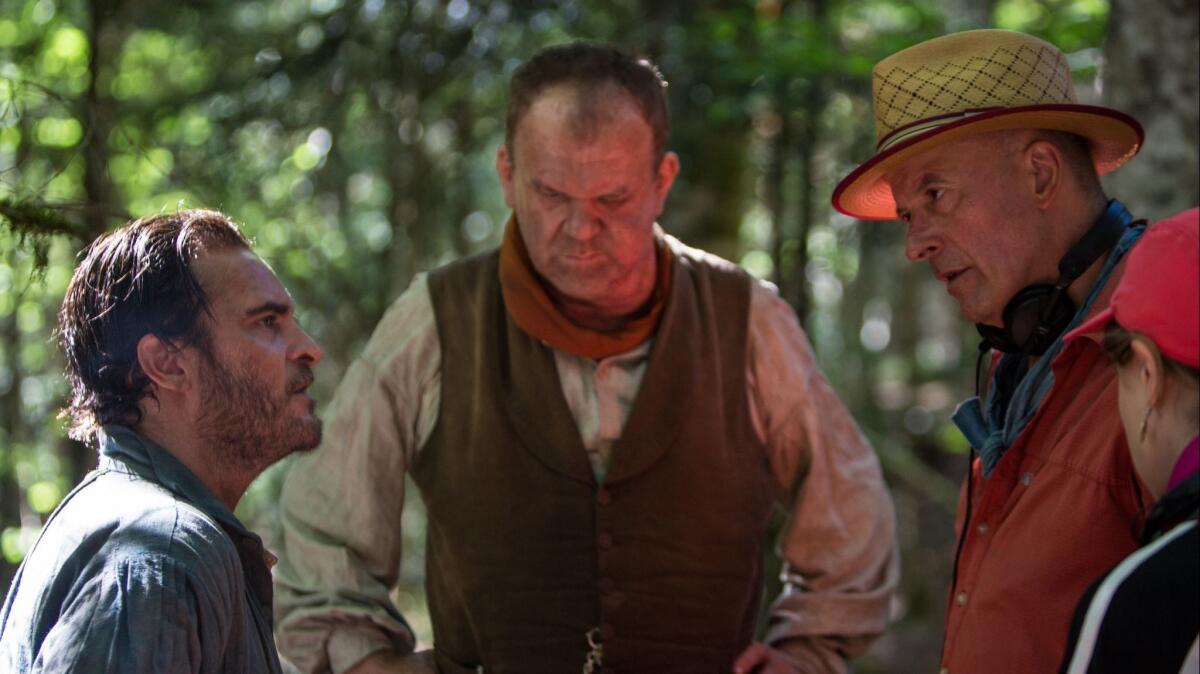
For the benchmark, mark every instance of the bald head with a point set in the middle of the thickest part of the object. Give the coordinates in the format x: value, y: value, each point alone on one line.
x: 1073, y: 150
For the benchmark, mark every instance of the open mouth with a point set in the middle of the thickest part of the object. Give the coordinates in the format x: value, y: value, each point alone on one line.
x: 948, y: 277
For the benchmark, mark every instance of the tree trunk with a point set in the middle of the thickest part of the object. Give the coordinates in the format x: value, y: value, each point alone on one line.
x: 968, y: 14
x: 798, y: 289
x: 97, y: 115
x: 1151, y: 72
x: 807, y: 141
x: 13, y: 422
x: 100, y: 193
x: 781, y: 146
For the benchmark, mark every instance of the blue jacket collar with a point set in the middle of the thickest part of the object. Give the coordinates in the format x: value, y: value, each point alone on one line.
x: 121, y: 446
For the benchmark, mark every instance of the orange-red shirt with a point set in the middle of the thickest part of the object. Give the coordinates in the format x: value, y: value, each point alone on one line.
x: 1061, y: 507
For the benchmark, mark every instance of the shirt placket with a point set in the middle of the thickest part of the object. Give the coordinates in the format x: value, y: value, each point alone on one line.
x: 994, y: 500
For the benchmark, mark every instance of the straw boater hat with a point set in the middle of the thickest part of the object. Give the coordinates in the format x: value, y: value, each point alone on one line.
x: 969, y: 83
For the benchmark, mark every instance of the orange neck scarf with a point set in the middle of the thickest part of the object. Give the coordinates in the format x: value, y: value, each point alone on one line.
x: 531, y: 308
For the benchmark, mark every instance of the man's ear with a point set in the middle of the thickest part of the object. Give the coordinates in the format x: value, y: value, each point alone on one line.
x: 1043, y: 164
x: 504, y: 169
x: 668, y: 169
x: 168, y: 366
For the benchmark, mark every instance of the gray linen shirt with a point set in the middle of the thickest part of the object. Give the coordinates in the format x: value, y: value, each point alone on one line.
x: 342, y: 505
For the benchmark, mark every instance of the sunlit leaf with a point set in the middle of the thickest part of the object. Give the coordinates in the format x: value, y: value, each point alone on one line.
x: 44, y: 496
x: 10, y: 34
x: 16, y: 541
x: 58, y: 132
x: 68, y: 44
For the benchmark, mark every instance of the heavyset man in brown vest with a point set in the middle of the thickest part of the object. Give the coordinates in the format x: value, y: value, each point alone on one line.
x: 600, y: 421
x: 993, y: 166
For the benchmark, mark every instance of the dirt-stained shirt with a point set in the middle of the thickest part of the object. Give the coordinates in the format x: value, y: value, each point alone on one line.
x: 342, y: 508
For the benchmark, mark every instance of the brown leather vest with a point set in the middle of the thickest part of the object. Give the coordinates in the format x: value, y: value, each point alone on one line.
x: 527, y: 553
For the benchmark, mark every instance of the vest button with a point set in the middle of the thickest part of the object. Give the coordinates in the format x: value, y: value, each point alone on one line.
x: 605, y: 541
x: 604, y: 497
x: 606, y: 585
x: 611, y: 601
x: 961, y: 599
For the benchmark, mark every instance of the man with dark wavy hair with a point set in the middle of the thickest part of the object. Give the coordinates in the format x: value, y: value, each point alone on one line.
x: 188, y: 372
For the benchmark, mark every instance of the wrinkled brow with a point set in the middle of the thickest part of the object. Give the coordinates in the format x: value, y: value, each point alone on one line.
x: 270, y: 307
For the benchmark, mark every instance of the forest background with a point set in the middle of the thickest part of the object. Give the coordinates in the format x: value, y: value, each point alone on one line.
x: 355, y: 141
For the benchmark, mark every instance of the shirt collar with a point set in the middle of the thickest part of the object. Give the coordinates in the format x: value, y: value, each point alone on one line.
x: 124, y: 448
x: 150, y: 461
x: 1102, y: 301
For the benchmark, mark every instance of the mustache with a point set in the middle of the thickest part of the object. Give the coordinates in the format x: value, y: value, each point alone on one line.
x: 301, y: 380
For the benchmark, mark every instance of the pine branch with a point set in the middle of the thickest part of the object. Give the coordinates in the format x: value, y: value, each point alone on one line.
x: 32, y: 221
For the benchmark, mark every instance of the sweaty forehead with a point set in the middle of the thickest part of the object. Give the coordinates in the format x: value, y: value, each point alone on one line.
x: 911, y: 172
x: 957, y: 160
x: 964, y: 157
x: 235, y: 279
x: 564, y: 118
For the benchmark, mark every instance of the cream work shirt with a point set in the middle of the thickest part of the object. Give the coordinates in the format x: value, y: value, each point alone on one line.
x: 342, y: 505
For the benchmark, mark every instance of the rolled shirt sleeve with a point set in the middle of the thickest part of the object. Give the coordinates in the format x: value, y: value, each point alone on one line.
x: 342, y: 504
x: 838, y: 546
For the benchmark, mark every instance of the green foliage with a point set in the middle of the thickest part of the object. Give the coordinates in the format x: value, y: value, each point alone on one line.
x: 355, y: 141
x: 1073, y: 26
x: 31, y: 220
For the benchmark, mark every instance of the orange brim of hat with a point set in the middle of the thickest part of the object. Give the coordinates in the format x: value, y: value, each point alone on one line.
x: 1113, y: 135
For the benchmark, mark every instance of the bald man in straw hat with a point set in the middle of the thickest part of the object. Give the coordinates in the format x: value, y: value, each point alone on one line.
x: 992, y: 165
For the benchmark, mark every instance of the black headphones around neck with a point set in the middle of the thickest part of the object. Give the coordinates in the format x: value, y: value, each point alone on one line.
x: 1038, y: 314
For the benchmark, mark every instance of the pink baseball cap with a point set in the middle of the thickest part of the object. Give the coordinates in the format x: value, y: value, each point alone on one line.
x: 1159, y: 294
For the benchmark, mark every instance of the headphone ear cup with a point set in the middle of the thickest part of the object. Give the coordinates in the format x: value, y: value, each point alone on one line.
x: 1022, y: 313
x: 1024, y: 330
x: 1033, y: 320
x: 1055, y: 319
x: 996, y: 338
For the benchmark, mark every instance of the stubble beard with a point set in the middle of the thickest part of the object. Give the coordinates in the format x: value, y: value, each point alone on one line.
x: 590, y: 291
x: 246, y: 424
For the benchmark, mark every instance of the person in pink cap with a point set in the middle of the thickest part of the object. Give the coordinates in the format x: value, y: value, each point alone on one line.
x: 1144, y: 615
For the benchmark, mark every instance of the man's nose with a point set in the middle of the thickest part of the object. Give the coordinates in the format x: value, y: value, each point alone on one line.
x: 582, y: 222
x: 305, y: 349
x: 920, y: 243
